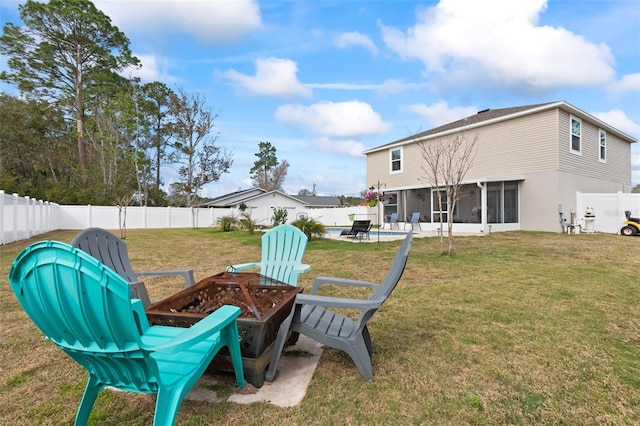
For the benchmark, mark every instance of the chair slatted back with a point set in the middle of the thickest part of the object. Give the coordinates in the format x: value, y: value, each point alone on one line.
x: 76, y: 301
x: 108, y: 248
x: 84, y: 307
x: 282, y: 249
x: 395, y: 272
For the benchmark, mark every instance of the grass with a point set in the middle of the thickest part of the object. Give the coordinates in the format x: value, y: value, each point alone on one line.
x: 515, y: 328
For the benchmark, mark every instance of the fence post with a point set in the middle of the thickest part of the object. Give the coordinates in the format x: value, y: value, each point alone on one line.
x: 15, y: 216
x: 40, y: 211
x: 27, y: 204
x: 2, y: 217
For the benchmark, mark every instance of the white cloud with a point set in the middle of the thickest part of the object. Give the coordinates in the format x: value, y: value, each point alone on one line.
x: 439, y: 113
x: 620, y: 121
x: 154, y: 68
x: 349, y: 119
x: 209, y: 21
x: 395, y: 86
x: 500, y: 42
x: 356, y: 39
x: 274, y: 77
x: 348, y: 147
x: 627, y: 84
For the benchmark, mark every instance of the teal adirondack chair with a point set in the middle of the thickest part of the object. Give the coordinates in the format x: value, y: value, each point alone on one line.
x: 85, y: 308
x: 282, y: 251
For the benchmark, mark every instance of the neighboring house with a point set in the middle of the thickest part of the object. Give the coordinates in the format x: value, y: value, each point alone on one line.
x: 259, y: 198
x: 530, y: 162
x: 256, y: 198
x: 233, y: 199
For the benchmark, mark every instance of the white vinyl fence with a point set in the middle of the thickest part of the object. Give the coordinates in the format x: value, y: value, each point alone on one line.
x: 81, y: 217
x: 608, y: 209
x: 24, y: 217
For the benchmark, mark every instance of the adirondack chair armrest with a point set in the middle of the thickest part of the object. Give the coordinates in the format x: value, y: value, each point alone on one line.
x: 187, y: 274
x: 211, y: 324
x: 335, y: 302
x: 320, y: 281
x: 302, y: 268
x: 242, y: 266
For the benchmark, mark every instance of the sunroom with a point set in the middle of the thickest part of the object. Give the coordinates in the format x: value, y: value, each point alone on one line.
x: 482, y: 206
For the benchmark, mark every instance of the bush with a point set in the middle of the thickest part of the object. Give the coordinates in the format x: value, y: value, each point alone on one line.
x: 228, y: 223
x: 246, y: 221
x: 310, y: 227
x: 279, y: 217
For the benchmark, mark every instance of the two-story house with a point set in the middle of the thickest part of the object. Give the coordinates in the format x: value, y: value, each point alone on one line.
x: 530, y: 161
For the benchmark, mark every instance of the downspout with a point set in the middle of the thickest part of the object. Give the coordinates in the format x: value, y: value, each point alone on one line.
x: 483, y: 208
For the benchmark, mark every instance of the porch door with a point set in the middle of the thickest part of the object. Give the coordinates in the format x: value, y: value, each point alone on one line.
x: 439, y: 209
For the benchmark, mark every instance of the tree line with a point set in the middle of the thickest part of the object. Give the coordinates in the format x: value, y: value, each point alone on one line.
x: 80, y: 132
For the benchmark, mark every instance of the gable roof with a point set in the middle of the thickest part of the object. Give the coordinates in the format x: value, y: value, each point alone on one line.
x: 319, y: 200
x: 274, y: 193
x: 489, y: 116
x: 233, y: 198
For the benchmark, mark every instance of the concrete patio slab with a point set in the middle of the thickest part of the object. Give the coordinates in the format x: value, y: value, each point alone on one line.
x: 295, y: 370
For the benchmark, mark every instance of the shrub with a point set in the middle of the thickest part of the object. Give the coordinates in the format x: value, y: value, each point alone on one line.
x: 279, y: 217
x: 228, y: 223
x: 310, y: 227
x: 246, y: 221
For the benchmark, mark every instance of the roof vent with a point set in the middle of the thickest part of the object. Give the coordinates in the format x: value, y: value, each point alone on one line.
x: 484, y: 110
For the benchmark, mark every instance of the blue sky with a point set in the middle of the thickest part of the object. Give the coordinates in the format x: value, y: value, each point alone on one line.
x: 322, y: 81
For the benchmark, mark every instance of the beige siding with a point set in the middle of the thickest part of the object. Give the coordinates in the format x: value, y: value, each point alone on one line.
x: 518, y: 146
x: 618, y: 163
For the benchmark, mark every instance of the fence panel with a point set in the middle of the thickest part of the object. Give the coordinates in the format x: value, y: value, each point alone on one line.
x: 608, y: 209
x: 24, y: 217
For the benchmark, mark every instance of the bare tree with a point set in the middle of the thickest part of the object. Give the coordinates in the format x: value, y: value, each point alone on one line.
x: 446, y: 163
x: 202, y: 161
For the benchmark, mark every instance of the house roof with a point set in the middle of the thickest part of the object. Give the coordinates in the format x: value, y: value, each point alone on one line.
x: 275, y: 192
x: 319, y: 201
x: 489, y: 116
x: 233, y: 198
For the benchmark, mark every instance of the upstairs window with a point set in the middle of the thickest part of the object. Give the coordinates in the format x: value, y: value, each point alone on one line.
x: 576, y: 135
x: 602, y: 136
x: 396, y: 160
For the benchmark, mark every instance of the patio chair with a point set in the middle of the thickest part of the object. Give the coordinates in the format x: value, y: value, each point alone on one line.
x: 312, y: 316
x: 282, y: 251
x: 360, y: 228
x: 415, y: 220
x: 393, y: 220
x: 84, y: 308
x: 112, y: 251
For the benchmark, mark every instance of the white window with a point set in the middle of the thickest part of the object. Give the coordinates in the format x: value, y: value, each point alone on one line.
x: 396, y: 160
x: 576, y: 135
x: 602, y: 136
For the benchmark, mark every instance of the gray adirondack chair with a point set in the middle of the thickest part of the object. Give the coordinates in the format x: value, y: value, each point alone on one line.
x: 112, y: 251
x: 312, y: 316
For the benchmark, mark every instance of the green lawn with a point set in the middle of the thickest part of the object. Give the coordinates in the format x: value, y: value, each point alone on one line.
x: 514, y: 328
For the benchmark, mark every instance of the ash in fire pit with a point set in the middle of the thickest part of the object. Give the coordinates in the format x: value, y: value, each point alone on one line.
x: 264, y: 299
